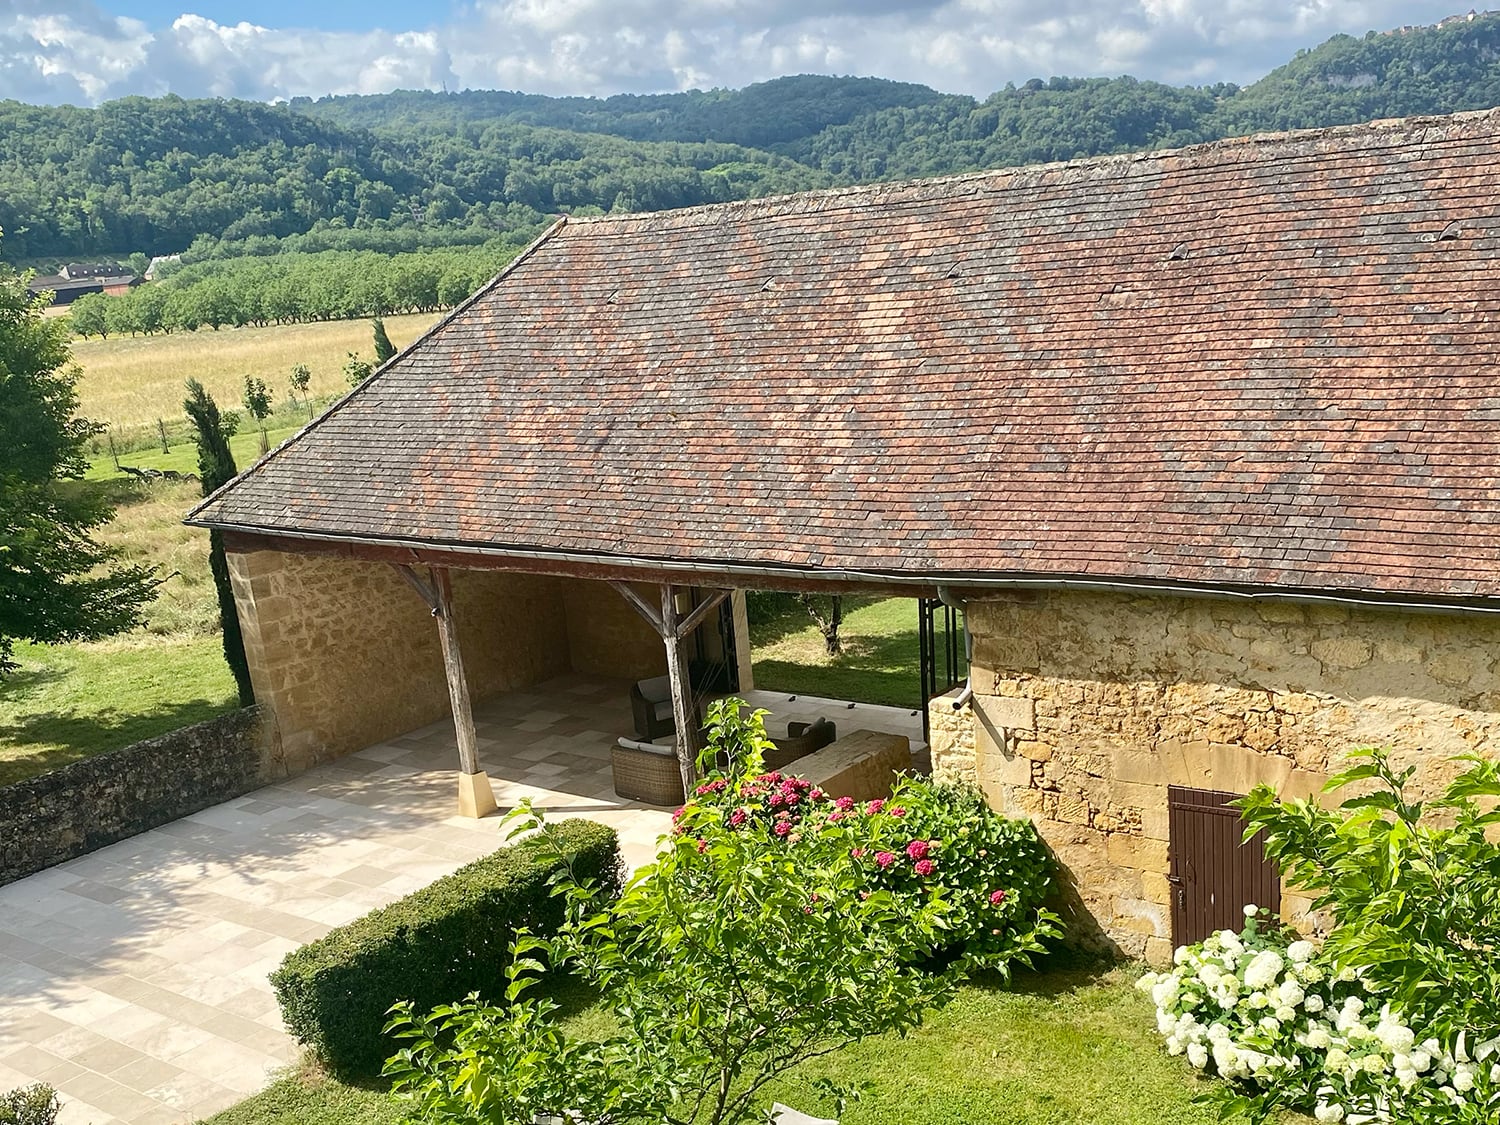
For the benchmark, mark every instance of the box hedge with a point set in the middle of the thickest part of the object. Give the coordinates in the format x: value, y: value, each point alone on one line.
x: 433, y: 947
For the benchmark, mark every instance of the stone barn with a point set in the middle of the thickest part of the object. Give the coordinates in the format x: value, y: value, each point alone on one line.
x: 1203, y: 441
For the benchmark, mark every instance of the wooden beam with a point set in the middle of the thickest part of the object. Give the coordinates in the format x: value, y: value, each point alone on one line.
x: 423, y: 589
x: 683, y: 712
x: 453, y: 665
x: 694, y: 619
x: 476, y: 798
x: 642, y: 607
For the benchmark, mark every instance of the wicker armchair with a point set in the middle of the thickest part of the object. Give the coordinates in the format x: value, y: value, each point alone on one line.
x: 651, y: 703
x: 644, y: 771
x: 802, y: 739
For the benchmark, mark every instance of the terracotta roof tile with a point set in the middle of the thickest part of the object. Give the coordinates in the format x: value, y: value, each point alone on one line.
x: 1256, y: 362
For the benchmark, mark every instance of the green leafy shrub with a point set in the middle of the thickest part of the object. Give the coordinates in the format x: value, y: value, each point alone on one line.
x: 1395, y: 1018
x: 760, y: 938
x: 445, y: 941
x: 29, y: 1105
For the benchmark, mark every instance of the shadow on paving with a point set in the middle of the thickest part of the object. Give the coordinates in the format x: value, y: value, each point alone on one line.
x: 292, y: 859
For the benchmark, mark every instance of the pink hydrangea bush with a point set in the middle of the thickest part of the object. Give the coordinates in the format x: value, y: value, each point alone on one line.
x: 926, y: 842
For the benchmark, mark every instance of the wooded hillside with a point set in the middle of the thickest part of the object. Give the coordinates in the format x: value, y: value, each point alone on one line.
x: 410, y: 170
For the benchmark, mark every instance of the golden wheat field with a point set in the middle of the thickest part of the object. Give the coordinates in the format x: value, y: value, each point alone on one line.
x: 129, y: 382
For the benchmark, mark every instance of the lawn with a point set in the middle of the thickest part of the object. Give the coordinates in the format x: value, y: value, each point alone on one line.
x: 880, y: 662
x: 183, y: 456
x: 1070, y: 1045
x: 129, y: 382
x: 72, y: 701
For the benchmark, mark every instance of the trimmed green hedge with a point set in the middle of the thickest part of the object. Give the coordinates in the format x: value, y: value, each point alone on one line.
x: 433, y: 947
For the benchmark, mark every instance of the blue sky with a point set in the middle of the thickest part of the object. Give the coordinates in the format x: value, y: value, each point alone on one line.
x: 86, y: 51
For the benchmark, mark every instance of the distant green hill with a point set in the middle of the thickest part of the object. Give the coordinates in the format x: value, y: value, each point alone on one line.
x: 396, y: 172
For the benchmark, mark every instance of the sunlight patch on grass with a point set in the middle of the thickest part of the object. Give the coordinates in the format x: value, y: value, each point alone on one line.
x: 69, y: 702
x: 131, y: 381
x: 880, y: 662
x: 1068, y: 1045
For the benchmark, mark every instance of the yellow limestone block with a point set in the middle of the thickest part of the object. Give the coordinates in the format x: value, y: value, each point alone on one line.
x: 475, y: 797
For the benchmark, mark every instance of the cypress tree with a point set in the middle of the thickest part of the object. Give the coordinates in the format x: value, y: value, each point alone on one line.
x: 216, y: 469
x: 384, y: 349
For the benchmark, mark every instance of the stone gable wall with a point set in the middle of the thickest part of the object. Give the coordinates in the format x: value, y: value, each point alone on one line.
x: 1087, y: 706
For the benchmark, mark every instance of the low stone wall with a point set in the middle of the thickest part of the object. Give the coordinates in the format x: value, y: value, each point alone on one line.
x: 48, y: 819
x: 863, y: 764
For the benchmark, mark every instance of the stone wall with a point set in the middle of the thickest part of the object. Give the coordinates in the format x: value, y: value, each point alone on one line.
x: 608, y: 637
x: 346, y: 654
x: 90, y: 803
x: 1087, y: 706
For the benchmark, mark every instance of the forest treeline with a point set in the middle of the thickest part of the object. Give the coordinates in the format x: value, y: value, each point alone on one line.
x: 412, y: 171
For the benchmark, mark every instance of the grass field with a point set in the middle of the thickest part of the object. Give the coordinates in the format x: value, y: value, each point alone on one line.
x: 72, y: 701
x: 129, y: 382
x: 880, y: 662
x: 1061, y: 1047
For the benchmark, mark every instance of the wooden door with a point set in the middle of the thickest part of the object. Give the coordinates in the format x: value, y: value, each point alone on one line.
x: 1213, y: 875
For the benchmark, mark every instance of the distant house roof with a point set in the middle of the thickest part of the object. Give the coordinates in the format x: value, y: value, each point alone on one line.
x: 65, y: 290
x: 1264, y: 363
x: 80, y: 271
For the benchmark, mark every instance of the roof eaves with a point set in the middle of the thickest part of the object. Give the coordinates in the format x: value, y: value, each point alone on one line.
x: 993, y: 581
x: 459, y: 309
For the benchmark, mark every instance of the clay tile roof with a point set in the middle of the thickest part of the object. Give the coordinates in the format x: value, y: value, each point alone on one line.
x: 1268, y: 362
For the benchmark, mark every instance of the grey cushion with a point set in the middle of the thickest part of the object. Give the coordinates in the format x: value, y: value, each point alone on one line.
x: 664, y: 710
x: 667, y: 751
x: 656, y: 689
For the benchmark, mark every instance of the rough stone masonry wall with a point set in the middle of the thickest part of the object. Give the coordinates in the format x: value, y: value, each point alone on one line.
x: 1087, y: 706
x: 346, y: 654
x: 87, y: 804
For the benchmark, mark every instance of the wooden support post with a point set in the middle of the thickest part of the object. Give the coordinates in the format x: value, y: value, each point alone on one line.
x: 673, y: 628
x: 475, y: 796
x: 683, y: 711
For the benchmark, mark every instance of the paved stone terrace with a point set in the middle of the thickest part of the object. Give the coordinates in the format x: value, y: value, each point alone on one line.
x: 133, y: 979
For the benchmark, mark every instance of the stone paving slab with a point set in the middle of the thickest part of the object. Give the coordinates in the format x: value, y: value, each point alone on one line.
x: 133, y: 979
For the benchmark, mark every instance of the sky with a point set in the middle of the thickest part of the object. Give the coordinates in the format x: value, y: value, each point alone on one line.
x: 86, y: 51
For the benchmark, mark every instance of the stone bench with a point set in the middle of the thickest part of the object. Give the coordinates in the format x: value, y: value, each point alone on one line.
x: 863, y: 764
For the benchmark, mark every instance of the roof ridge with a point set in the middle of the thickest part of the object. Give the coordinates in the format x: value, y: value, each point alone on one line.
x: 526, y: 252
x: 1263, y: 142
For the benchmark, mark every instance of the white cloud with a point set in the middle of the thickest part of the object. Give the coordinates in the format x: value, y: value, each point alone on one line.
x: 74, y: 50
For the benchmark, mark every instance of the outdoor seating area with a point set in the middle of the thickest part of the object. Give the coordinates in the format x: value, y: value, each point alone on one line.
x: 645, y: 767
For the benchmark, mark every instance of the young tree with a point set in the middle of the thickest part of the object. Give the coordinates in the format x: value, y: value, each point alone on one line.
x: 357, y: 370
x: 827, y: 620
x: 384, y: 349
x: 215, y: 469
x: 757, y: 940
x: 257, y: 400
x: 301, y: 379
x: 89, y: 315
x: 56, y: 583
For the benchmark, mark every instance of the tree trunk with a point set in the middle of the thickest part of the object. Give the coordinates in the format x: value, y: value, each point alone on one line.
x: 828, y: 623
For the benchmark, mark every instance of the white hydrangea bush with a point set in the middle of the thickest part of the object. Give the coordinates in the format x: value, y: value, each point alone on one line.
x: 1263, y: 1010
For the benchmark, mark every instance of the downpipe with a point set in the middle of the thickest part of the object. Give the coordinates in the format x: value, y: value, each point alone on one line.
x: 946, y: 596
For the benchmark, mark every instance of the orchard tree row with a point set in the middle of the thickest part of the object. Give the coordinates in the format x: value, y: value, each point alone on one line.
x: 291, y: 289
